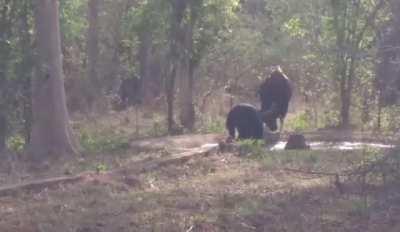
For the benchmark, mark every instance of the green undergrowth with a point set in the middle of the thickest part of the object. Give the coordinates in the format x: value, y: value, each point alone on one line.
x: 103, y: 141
x: 216, y: 125
x: 16, y: 143
x: 326, y: 160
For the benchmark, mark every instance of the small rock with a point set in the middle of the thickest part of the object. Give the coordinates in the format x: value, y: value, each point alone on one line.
x: 296, y: 141
x: 132, y: 181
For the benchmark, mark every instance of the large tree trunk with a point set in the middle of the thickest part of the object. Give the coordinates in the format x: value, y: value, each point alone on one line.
x: 395, y: 6
x: 175, y: 40
x: 187, y: 114
x: 346, y: 92
x: 341, y: 68
x: 26, y: 68
x: 51, y: 134
x: 189, y: 63
x: 170, y: 92
x: 145, y: 39
x: 93, y: 50
x: 3, y: 131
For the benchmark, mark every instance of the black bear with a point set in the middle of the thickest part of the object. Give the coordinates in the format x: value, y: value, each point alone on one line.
x: 275, y: 93
x: 129, y: 92
x: 246, y: 119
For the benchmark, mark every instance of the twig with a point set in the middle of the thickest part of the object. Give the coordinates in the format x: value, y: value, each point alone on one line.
x: 312, y: 172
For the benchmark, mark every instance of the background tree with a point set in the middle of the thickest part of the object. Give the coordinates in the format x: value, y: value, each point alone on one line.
x: 51, y: 134
x: 351, y: 20
x: 15, y: 68
x: 93, y: 48
x: 204, y: 26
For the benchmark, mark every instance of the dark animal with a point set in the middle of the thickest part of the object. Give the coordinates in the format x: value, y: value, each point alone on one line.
x: 129, y: 92
x: 246, y: 119
x: 275, y: 93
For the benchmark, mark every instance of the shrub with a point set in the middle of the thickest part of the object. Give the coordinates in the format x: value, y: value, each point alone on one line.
x: 16, y: 143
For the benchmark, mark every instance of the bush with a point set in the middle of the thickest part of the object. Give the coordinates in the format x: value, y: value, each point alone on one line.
x: 299, y: 122
x: 16, y: 143
x: 101, y: 168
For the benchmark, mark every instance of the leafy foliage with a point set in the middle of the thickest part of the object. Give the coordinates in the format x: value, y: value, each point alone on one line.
x: 16, y: 144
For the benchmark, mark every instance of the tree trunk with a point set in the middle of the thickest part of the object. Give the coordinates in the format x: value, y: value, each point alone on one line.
x: 187, y: 114
x: 170, y: 92
x: 344, y: 95
x: 346, y: 91
x: 395, y: 6
x: 3, y: 131
x: 175, y: 34
x: 25, y: 70
x: 345, y: 109
x: 51, y: 134
x: 92, y: 50
x: 379, y: 116
x: 145, y: 39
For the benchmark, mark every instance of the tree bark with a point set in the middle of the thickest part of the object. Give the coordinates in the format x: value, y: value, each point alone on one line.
x: 188, y: 64
x: 187, y: 113
x: 92, y: 50
x: 51, y: 135
x: 170, y: 92
x: 349, y: 32
x: 26, y: 69
x: 175, y: 34
x: 3, y: 131
x: 145, y: 39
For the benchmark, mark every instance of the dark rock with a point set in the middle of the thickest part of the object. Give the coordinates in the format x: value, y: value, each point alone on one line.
x: 132, y: 181
x: 296, y: 141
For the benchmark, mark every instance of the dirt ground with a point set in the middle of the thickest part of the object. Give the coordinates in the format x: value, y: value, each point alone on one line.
x: 210, y: 191
x: 176, y: 184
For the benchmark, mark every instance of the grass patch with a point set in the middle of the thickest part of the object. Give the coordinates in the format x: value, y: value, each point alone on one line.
x: 252, y: 147
x: 103, y: 141
x: 328, y: 160
x: 298, y: 122
x: 213, y: 126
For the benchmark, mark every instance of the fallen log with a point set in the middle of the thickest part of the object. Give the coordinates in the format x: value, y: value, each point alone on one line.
x: 147, y: 166
x: 39, y: 185
x: 134, y: 169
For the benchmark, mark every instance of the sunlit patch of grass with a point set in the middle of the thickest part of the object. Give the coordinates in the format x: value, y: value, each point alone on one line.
x: 332, y: 161
x: 358, y: 207
x: 252, y: 147
x: 103, y: 141
x: 276, y: 159
x: 298, y: 122
x: 216, y: 125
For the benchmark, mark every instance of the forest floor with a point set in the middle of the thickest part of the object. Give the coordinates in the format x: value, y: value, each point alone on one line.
x: 176, y: 184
